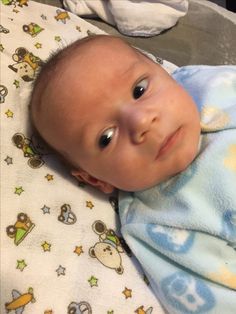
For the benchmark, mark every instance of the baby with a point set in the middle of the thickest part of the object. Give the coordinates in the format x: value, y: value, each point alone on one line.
x: 122, y: 122
x: 97, y: 104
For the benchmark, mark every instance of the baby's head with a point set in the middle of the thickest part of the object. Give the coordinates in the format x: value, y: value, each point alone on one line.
x: 116, y: 116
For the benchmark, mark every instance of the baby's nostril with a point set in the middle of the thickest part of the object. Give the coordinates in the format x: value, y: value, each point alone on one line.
x: 142, y: 135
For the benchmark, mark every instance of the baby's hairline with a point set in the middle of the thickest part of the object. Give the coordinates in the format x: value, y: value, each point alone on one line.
x: 59, y: 57
x: 52, y: 66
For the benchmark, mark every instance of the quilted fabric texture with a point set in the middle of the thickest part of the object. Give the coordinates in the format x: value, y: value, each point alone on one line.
x: 61, y: 250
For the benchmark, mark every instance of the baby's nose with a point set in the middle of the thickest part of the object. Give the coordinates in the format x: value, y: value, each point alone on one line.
x: 139, y: 122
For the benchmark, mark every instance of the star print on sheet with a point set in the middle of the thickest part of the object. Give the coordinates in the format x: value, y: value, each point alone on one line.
x: 57, y: 38
x: 21, y: 264
x: 78, y: 250
x: 17, y: 84
x: 8, y: 160
x: 9, y: 113
x: 46, y: 246
x: 1, y: 48
x: 48, y: 312
x: 49, y: 177
x: 19, y: 190
x: 141, y: 310
x: 110, y: 312
x: 38, y: 45
x: 93, y: 281
x: 45, y: 209
x: 89, y: 204
x: 60, y: 271
x: 127, y: 293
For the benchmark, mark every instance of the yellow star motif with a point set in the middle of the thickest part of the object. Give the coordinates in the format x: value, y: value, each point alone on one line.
x: 48, y: 312
x: 57, y: 38
x: 46, y: 246
x: 1, y: 48
x: 15, y: 11
x: 19, y: 190
x: 127, y: 293
x: 110, y: 312
x: 78, y: 28
x: 38, y: 45
x: 21, y: 265
x: 89, y: 204
x: 49, y: 177
x: 93, y: 281
x: 9, y: 113
x: 140, y: 310
x: 16, y: 83
x: 8, y: 160
x: 78, y: 250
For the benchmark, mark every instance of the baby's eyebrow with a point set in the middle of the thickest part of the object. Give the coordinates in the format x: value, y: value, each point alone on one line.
x: 87, y: 135
x: 83, y: 135
x: 131, y: 69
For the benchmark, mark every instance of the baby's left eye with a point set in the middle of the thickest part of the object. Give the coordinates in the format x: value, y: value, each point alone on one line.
x: 140, y: 88
x: 106, y: 138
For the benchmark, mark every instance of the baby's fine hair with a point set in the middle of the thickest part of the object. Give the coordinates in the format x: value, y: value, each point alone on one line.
x: 51, y: 66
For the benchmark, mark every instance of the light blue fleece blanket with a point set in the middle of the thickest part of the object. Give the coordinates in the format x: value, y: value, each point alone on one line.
x: 183, y: 231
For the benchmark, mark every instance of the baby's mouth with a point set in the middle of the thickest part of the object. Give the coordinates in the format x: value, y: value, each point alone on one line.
x: 168, y: 143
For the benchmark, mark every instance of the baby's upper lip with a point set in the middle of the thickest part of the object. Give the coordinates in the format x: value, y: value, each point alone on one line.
x: 167, y: 143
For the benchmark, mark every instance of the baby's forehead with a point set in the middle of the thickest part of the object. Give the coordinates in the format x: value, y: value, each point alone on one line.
x: 107, y: 53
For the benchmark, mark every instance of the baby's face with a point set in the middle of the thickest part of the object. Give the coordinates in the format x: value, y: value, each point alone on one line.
x: 121, y: 118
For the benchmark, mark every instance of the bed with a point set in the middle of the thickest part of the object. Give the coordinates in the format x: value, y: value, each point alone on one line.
x: 53, y: 228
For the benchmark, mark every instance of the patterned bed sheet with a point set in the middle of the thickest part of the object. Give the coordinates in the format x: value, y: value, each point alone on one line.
x: 61, y: 250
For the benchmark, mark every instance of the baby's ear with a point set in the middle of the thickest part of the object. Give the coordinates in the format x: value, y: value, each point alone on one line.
x: 83, y: 176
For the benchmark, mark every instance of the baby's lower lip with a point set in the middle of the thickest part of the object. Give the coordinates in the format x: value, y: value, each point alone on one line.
x: 168, y: 143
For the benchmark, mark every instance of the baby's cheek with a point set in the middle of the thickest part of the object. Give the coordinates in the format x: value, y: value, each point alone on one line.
x: 187, y: 156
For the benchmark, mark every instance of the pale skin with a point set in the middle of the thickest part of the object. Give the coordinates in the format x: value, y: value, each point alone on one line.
x: 118, y: 117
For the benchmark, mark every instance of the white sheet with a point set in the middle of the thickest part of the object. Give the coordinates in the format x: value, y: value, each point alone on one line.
x: 50, y: 264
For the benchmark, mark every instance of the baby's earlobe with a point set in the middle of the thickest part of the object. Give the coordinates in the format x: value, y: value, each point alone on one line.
x: 83, y: 176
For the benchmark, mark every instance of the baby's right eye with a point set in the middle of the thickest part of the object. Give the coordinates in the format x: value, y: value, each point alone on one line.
x: 106, y: 138
x: 140, y: 88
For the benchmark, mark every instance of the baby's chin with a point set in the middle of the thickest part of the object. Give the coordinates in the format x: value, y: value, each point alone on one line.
x: 146, y: 185
x: 141, y: 186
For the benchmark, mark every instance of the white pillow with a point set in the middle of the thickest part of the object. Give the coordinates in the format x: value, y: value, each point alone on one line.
x: 47, y: 256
